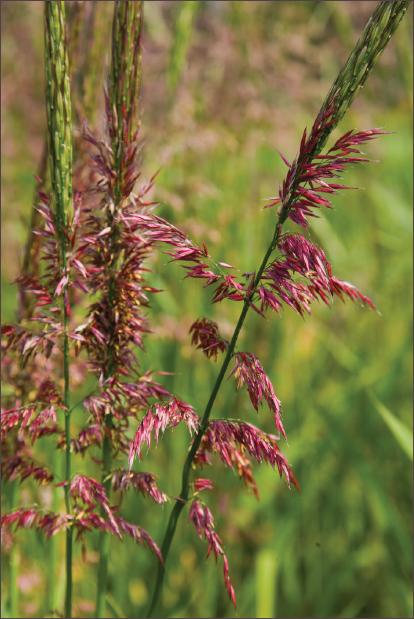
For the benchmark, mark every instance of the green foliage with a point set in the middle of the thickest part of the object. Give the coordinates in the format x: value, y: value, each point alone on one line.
x: 181, y: 41
x: 403, y: 435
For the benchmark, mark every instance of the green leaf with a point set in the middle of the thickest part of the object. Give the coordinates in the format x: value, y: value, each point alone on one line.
x: 403, y: 434
x: 266, y: 575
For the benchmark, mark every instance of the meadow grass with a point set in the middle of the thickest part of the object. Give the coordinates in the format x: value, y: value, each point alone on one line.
x: 340, y: 549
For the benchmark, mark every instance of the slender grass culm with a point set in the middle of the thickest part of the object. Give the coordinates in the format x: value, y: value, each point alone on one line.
x: 58, y: 106
x: 294, y: 202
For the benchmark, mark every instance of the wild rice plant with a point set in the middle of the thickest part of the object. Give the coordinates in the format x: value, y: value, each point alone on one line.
x: 67, y: 238
x: 296, y: 277
x: 98, y: 248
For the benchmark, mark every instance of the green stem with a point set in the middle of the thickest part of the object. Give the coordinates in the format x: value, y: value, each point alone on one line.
x: 58, y: 106
x: 104, y: 538
x: 69, y: 530
x: 104, y: 543
x: 52, y: 550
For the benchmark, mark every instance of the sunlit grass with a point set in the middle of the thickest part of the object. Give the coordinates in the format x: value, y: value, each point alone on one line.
x: 341, y: 548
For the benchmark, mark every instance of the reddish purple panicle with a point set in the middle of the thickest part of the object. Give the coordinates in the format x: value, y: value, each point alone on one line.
x: 203, y: 520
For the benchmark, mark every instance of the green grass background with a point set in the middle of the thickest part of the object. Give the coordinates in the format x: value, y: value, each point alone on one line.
x: 250, y: 72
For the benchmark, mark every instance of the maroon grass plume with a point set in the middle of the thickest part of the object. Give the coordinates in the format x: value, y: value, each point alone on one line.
x: 296, y: 276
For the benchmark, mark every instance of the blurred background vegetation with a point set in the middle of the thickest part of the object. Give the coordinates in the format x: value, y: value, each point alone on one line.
x: 223, y: 84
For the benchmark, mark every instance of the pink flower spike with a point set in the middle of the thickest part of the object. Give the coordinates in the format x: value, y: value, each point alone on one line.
x: 61, y: 285
x: 144, y: 483
x: 308, y: 168
x: 223, y: 435
x: 203, y: 520
x: 248, y: 370
x: 168, y: 415
x: 90, y: 492
x: 139, y: 534
x: 207, y: 337
x: 256, y: 310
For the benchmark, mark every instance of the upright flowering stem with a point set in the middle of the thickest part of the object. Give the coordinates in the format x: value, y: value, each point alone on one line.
x: 294, y: 201
x: 124, y: 80
x: 58, y: 106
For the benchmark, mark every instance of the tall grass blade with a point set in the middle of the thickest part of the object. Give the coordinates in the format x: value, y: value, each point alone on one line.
x: 181, y: 41
x: 403, y: 435
x: 266, y: 584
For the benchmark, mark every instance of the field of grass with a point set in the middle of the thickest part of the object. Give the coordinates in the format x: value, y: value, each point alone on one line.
x: 252, y: 77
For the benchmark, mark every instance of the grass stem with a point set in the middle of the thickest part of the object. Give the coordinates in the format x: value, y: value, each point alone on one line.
x: 58, y: 105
